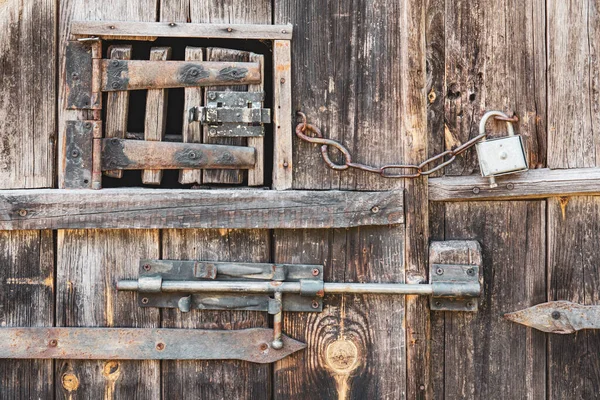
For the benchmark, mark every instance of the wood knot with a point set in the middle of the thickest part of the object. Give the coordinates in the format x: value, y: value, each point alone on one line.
x: 111, y: 370
x: 342, y: 356
x: 70, y: 382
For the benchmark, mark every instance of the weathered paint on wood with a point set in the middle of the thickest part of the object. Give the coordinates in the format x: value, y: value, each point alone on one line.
x: 485, y: 356
x: 139, y: 154
x: 574, y: 275
x: 155, y: 208
x: 26, y: 299
x: 213, y: 30
x: 533, y: 184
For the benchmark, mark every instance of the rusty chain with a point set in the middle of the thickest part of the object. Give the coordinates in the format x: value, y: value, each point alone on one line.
x: 384, y: 171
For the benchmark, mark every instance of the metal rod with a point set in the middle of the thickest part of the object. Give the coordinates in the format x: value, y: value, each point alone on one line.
x: 283, y: 287
x: 277, y: 342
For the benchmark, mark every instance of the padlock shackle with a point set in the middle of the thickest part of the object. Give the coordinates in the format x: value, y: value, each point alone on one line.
x: 488, y: 115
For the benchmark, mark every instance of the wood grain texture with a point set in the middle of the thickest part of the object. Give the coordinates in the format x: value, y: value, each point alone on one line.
x: 573, y: 84
x: 209, y: 379
x: 533, y: 184
x: 155, y: 121
x: 28, y: 76
x: 117, y: 106
x: 26, y: 299
x: 89, y: 262
x: 192, y: 131
x: 256, y: 175
x: 495, y: 60
x: 356, y: 345
x: 484, y: 356
x: 231, y: 379
x: 282, y: 118
x: 166, y: 208
x: 573, y: 274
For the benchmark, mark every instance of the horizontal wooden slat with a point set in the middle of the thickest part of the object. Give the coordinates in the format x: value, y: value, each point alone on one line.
x: 143, y: 344
x: 134, y: 30
x: 141, y: 154
x: 163, y: 208
x: 142, y: 74
x: 533, y: 184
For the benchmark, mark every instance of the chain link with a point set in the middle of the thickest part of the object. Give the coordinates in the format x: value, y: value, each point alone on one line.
x: 386, y: 171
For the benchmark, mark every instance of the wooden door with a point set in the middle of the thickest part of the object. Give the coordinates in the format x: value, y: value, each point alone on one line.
x: 395, y: 82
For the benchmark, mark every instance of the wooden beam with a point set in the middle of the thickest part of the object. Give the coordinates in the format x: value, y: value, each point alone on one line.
x: 533, y: 184
x: 139, y: 154
x: 163, y: 208
x: 152, y: 74
x: 282, y: 118
x: 133, y: 30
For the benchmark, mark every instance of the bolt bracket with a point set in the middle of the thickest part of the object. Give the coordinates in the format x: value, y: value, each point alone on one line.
x: 446, y: 276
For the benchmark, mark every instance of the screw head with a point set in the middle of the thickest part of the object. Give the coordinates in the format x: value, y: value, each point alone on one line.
x: 115, y: 85
x: 192, y: 155
x: 115, y: 63
x: 555, y: 315
x: 53, y: 343
x: 87, y: 125
x: 212, y: 131
x: 147, y: 267
x: 172, y: 24
x: 160, y: 346
x: 75, y: 76
x: 475, y: 190
x: 229, y: 29
x: 282, y: 80
x: 438, y: 303
x: 22, y: 212
x: 439, y: 271
x: 470, y: 272
x: 469, y: 304
x: 285, y: 164
x: 375, y: 209
x: 510, y: 186
x: 145, y: 300
x: 212, y: 95
x: 314, y: 304
x: 263, y: 346
x: 74, y: 154
x: 316, y: 272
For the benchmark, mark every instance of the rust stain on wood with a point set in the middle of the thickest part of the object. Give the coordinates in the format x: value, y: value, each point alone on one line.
x: 563, y: 206
x: 111, y: 372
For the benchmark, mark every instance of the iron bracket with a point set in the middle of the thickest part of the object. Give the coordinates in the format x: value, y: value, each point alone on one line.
x: 454, y: 286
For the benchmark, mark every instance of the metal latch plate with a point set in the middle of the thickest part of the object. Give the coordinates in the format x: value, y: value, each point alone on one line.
x: 500, y: 156
x: 453, y: 274
x: 174, y: 270
x: 233, y: 114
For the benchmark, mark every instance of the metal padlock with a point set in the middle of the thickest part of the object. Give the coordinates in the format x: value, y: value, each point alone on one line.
x: 500, y: 156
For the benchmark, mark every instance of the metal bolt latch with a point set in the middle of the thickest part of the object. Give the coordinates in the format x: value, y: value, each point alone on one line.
x: 503, y: 155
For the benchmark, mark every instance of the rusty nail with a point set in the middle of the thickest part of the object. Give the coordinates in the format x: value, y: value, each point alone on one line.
x: 438, y: 303
x: 510, y: 186
x: 229, y: 30
x: 283, y: 31
x: 375, y: 209
x: 22, y: 212
x: 285, y: 164
x: 111, y: 27
x: 439, y: 271
x: 555, y: 315
x: 145, y: 300
x: 160, y: 346
x: 316, y: 272
x: 172, y: 24
x: 475, y: 190
x: 282, y: 80
x: 422, y: 387
x: 53, y: 343
x: 470, y: 272
x: 315, y: 304
x: 263, y: 346
x: 147, y: 267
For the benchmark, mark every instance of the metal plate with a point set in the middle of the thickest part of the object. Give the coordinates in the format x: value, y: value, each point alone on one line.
x: 454, y: 274
x: 78, y: 76
x: 78, y: 154
x: 500, y: 156
x: 175, y: 270
x: 252, y: 345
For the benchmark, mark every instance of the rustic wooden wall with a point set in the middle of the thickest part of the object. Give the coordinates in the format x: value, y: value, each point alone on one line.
x: 394, y: 81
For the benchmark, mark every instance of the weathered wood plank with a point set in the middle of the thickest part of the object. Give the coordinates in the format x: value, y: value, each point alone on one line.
x: 222, y: 176
x: 574, y: 275
x: 117, y: 106
x: 533, y: 184
x: 140, y: 74
x: 26, y: 299
x: 155, y: 120
x: 165, y: 208
x: 256, y: 176
x: 192, y: 131
x: 139, y: 154
x: 28, y: 98
x: 133, y: 30
x: 282, y: 119
x: 573, y: 29
x: 495, y: 60
x: 143, y: 344
x: 89, y: 262
x: 485, y: 357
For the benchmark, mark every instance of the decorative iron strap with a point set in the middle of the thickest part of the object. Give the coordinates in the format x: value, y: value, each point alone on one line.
x: 386, y: 171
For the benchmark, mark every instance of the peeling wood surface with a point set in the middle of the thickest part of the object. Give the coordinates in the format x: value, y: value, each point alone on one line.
x: 484, y: 356
x: 154, y: 208
x: 214, y: 30
x: 558, y: 317
x: 574, y: 275
x: 533, y: 184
